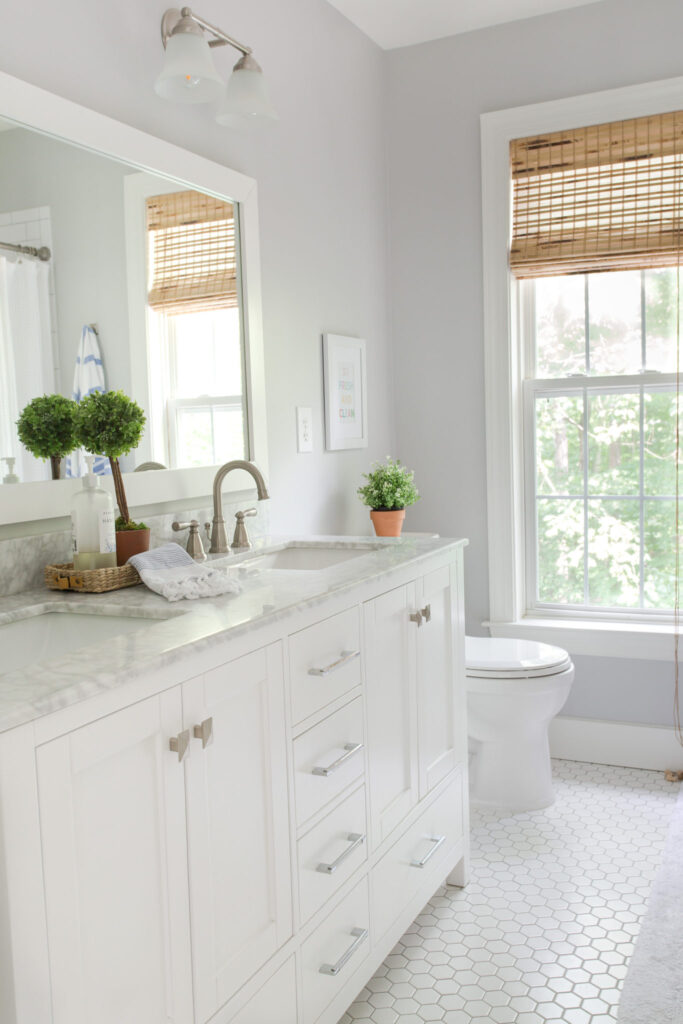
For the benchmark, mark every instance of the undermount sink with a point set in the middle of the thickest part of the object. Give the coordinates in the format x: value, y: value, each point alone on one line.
x: 305, y: 557
x: 50, y: 635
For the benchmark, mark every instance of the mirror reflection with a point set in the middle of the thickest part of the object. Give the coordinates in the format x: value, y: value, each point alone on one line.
x: 113, y: 278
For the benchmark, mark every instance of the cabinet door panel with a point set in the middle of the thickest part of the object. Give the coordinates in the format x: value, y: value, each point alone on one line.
x: 436, y: 681
x: 112, y: 812
x: 390, y: 695
x: 240, y: 878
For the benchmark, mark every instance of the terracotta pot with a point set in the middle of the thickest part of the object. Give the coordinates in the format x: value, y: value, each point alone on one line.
x: 130, y: 542
x: 388, y: 524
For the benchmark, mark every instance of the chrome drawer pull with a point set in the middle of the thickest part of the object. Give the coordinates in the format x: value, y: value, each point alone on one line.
x: 204, y: 732
x: 426, y: 613
x: 359, y: 936
x: 356, y: 839
x: 350, y: 748
x: 438, y: 841
x: 344, y: 658
x: 416, y: 617
x: 180, y: 743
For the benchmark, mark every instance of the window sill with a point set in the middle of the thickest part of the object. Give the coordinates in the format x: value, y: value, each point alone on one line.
x: 595, y: 638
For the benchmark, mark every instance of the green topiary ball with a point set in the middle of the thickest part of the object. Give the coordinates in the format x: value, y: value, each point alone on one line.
x: 47, y: 426
x: 109, y: 423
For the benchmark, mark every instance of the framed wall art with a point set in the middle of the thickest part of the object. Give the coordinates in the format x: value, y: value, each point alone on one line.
x: 346, y: 411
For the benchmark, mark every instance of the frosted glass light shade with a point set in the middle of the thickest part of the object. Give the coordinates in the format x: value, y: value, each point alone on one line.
x: 246, y: 97
x: 188, y: 74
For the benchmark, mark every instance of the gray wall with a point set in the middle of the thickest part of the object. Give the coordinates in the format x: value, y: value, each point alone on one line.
x: 321, y: 180
x: 436, y: 93
x: 85, y: 196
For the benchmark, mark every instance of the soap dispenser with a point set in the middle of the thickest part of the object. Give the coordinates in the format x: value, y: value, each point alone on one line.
x: 92, y: 521
x: 10, y: 477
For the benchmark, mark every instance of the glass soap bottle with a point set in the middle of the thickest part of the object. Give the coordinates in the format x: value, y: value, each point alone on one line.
x: 92, y: 524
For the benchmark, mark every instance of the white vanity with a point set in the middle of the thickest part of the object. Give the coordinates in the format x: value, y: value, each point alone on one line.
x: 233, y: 813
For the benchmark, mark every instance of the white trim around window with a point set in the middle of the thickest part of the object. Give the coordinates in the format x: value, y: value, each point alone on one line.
x: 599, y: 635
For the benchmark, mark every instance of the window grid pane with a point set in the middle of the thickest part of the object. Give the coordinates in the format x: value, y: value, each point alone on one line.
x: 604, y: 456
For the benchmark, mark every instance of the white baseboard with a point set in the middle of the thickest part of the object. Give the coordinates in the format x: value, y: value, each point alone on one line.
x: 620, y: 743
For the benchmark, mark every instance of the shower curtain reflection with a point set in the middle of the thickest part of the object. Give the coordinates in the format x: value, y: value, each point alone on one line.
x: 26, y: 356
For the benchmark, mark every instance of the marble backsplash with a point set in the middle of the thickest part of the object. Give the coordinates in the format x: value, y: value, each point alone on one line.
x: 23, y: 559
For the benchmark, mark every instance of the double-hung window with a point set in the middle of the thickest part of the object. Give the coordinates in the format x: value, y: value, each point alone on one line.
x: 595, y: 261
x: 196, y: 349
x: 599, y: 439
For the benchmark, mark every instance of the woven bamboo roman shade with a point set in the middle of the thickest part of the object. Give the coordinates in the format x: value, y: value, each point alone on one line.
x: 607, y: 197
x: 192, y: 252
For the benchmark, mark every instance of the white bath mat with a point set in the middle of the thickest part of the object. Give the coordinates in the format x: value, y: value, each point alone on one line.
x: 653, y: 989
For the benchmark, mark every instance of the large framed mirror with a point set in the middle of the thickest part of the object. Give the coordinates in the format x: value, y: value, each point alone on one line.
x: 126, y: 263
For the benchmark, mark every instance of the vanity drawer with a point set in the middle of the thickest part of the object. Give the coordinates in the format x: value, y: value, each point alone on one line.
x: 324, y: 663
x: 334, y: 951
x: 426, y: 842
x: 327, y: 759
x: 330, y: 852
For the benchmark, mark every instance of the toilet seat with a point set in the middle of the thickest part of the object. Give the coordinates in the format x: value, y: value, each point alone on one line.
x: 502, y: 658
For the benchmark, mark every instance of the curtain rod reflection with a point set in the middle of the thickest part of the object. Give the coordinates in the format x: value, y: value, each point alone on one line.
x: 43, y: 253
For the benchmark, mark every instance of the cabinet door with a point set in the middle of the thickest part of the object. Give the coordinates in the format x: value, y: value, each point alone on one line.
x: 238, y: 824
x: 390, y: 637
x: 112, y: 815
x: 436, y: 677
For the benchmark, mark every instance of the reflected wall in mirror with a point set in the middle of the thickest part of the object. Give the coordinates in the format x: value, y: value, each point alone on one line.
x: 147, y: 272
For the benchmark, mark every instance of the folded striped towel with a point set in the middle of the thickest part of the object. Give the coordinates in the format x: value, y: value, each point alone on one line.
x: 171, y: 572
x: 88, y: 378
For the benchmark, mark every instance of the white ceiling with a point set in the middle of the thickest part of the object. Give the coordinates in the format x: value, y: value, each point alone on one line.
x: 393, y: 23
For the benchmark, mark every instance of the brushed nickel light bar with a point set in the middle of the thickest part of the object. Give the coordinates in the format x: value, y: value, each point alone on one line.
x: 189, y: 75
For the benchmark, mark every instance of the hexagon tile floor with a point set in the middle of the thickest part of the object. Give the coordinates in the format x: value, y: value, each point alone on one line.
x: 544, y: 930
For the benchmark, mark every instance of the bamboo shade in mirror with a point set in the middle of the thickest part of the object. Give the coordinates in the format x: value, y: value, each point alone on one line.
x: 192, y: 252
x: 606, y: 197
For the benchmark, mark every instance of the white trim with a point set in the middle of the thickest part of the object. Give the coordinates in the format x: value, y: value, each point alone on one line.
x: 621, y: 743
x: 506, y: 519
x: 52, y: 115
x: 594, y: 638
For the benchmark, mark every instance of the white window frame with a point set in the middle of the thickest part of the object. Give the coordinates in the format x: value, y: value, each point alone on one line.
x: 504, y: 359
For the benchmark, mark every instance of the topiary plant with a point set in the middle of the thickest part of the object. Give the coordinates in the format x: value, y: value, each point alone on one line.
x: 389, y: 486
x: 47, y: 427
x: 110, y: 423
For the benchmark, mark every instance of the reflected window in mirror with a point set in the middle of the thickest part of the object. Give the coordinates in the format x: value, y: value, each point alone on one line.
x: 194, y: 330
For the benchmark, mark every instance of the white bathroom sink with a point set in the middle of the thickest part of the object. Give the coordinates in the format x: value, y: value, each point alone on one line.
x: 306, y: 557
x: 50, y: 635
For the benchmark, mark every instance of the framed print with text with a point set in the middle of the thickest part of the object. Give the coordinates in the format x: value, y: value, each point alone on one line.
x: 346, y: 412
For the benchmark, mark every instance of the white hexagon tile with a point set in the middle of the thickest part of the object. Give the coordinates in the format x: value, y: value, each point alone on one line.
x: 543, y: 932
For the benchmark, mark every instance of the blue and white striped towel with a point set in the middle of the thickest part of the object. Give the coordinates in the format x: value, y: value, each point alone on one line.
x: 174, y: 574
x: 88, y: 378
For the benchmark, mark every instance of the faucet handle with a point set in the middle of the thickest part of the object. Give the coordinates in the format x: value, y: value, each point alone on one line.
x: 194, y: 540
x: 240, y: 540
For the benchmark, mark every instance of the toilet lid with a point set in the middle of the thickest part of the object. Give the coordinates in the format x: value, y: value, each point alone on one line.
x: 498, y: 656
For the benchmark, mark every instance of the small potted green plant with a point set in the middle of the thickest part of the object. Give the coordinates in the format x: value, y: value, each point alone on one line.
x: 47, y: 428
x: 110, y: 423
x: 388, y: 492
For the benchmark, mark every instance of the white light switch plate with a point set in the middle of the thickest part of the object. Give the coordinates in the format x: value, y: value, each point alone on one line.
x: 304, y: 428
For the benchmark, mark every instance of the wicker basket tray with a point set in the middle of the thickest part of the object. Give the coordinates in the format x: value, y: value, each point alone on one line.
x: 90, y: 581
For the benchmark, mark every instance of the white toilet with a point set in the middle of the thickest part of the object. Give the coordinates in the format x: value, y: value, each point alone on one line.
x: 514, y: 689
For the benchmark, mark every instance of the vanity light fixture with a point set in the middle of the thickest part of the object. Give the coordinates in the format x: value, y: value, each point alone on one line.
x: 189, y: 75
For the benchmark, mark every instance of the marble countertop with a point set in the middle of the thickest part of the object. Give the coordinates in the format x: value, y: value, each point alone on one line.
x: 175, y: 631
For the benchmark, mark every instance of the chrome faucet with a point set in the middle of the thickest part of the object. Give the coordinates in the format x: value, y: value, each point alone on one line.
x: 219, y: 539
